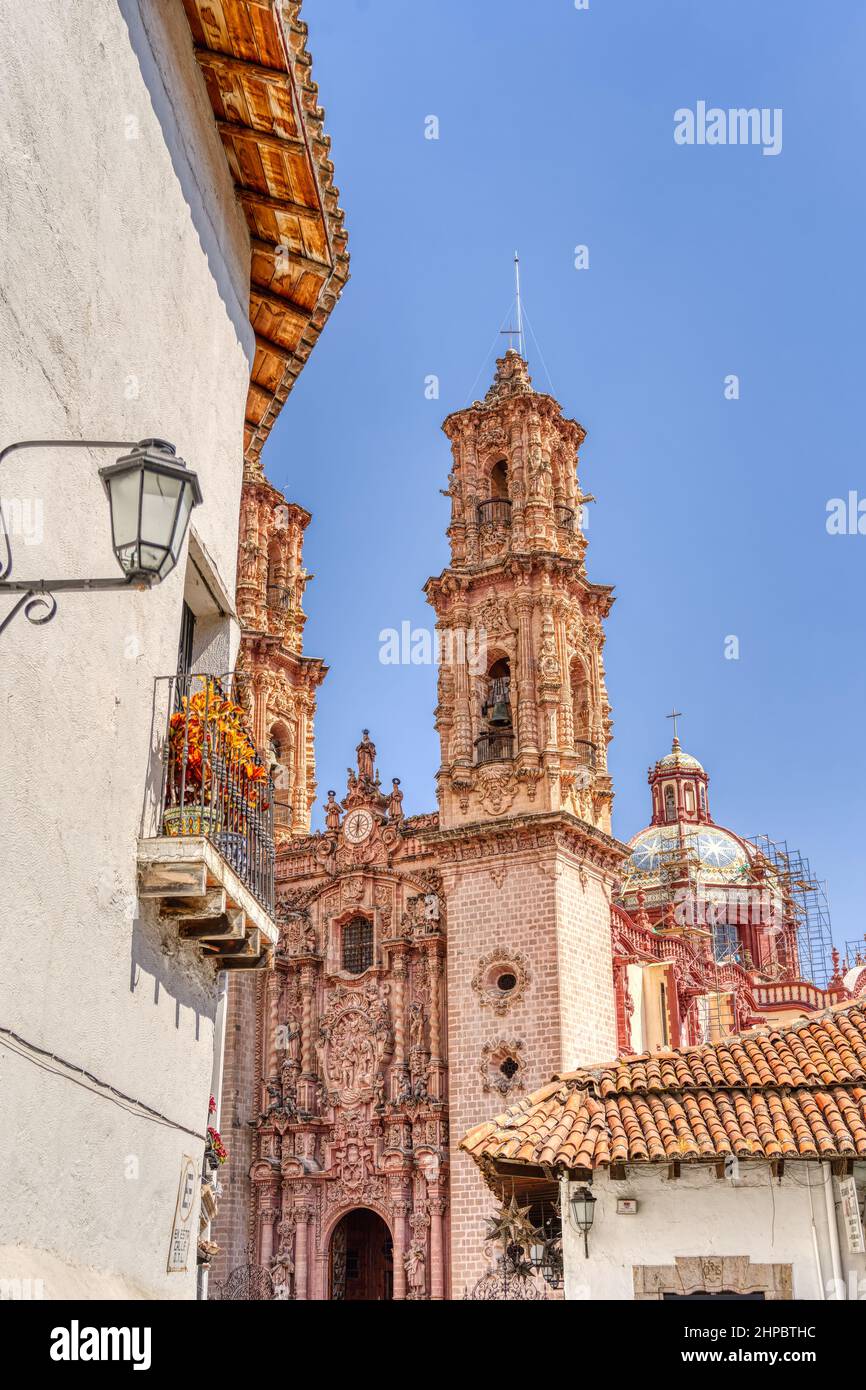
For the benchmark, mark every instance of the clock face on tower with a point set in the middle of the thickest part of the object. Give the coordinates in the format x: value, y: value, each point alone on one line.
x: 357, y: 826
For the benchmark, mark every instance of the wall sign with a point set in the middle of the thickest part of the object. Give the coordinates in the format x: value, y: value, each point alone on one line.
x: 184, y: 1212
x: 851, y: 1216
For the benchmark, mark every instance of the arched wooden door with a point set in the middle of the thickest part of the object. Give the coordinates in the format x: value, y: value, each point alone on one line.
x: 361, y: 1259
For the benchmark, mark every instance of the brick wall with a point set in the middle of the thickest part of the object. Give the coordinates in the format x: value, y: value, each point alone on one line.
x: 542, y: 912
x: 517, y: 917
x: 588, y: 1012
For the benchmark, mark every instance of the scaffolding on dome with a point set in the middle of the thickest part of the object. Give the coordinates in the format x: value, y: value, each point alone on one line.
x: 855, y: 953
x: 806, y: 897
x: 679, y: 868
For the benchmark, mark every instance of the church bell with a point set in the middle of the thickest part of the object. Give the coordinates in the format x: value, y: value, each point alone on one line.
x: 497, y: 709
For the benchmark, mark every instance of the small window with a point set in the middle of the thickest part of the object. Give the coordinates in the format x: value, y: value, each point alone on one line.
x: 670, y: 803
x: 358, y: 945
x: 726, y: 943
x: 506, y: 983
x: 509, y: 1068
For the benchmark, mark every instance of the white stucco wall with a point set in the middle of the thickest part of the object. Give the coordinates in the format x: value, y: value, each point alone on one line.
x: 123, y: 314
x: 699, y: 1214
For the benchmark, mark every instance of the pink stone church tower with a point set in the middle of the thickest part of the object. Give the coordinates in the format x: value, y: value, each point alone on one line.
x: 523, y: 841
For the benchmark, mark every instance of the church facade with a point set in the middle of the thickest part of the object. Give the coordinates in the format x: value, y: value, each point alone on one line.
x: 431, y: 967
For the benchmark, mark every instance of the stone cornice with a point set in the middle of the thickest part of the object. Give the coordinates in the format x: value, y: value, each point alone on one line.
x: 516, y: 834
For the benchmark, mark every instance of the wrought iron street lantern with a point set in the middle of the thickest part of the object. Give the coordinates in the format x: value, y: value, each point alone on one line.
x: 582, y: 1204
x: 545, y: 1252
x: 151, y: 494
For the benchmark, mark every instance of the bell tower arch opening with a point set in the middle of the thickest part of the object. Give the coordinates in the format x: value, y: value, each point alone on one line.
x: 495, y: 741
x: 499, y: 481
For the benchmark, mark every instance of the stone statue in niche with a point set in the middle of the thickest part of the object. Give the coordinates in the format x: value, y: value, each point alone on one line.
x: 415, y: 1261
x: 293, y: 1044
x: 379, y: 1091
x: 416, y: 1027
x: 282, y: 1272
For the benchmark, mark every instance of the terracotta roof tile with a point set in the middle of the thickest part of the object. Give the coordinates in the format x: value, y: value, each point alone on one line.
x: 797, y: 1091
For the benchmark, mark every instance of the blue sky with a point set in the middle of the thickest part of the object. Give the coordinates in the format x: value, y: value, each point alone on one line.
x: 556, y: 129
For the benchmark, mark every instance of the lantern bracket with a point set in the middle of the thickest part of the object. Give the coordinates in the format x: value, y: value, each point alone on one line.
x: 38, y: 602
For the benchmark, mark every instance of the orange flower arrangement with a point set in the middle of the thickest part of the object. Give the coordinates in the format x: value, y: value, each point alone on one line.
x: 208, y: 726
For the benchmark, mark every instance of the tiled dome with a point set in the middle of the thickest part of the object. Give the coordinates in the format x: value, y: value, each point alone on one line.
x: 677, y: 758
x: 721, y: 855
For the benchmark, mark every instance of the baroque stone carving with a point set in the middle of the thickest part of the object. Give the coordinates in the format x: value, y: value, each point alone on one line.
x: 354, y: 1036
x: 502, y: 1066
x: 500, y: 968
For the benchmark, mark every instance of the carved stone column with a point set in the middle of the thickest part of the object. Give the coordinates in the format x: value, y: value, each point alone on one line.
x: 260, y: 710
x: 398, y: 959
x: 400, y: 1207
x: 309, y: 1072
x: 566, y: 712
x: 299, y: 782
x: 527, y: 721
x: 271, y: 1023
x: 302, y: 1218
x: 462, y: 738
x: 436, y: 1206
x: 308, y: 986
x: 434, y: 973
x: 267, y: 1216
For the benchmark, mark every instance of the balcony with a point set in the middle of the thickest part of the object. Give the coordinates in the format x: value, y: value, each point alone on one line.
x: 279, y: 597
x: 211, y: 865
x: 586, y: 754
x: 495, y: 512
x: 564, y: 518
x: 495, y: 746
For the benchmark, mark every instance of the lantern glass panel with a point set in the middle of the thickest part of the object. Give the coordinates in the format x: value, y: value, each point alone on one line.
x: 160, y: 495
x: 124, y: 495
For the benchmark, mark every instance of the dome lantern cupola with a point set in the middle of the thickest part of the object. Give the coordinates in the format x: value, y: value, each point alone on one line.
x: 679, y: 789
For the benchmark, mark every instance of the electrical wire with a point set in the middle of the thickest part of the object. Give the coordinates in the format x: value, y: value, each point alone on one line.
x: 107, y: 1091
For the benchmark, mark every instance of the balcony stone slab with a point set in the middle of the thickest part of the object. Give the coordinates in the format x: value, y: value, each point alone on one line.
x: 195, y: 886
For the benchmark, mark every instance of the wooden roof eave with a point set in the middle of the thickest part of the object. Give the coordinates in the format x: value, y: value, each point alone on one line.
x: 270, y: 125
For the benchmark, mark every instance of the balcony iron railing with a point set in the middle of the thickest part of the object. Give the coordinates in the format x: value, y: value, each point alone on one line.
x: 279, y: 597
x: 494, y: 746
x: 496, y: 511
x: 564, y: 518
x: 215, y: 781
x: 586, y: 753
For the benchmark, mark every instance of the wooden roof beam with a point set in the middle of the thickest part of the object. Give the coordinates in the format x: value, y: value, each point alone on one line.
x: 281, y: 144
x: 263, y: 200
x: 275, y: 349
x: 278, y: 305
x: 299, y: 262
x: 242, y: 66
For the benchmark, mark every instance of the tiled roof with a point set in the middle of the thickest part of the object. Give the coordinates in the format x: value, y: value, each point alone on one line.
x: 794, y: 1092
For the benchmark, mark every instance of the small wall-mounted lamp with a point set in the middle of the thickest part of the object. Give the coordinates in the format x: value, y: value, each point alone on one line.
x: 582, y: 1205
x: 151, y: 493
